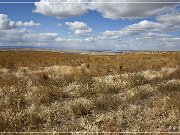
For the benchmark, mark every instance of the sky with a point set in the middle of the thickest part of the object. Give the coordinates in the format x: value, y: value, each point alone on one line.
x: 91, y: 24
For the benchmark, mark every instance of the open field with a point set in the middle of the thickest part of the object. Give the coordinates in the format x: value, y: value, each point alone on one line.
x: 54, y: 91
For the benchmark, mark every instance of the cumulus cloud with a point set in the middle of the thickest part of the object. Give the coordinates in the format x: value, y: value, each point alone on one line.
x: 27, y: 24
x: 79, y: 28
x: 6, y: 23
x: 142, y: 35
x: 108, y: 10
x: 13, y: 36
x: 25, y: 37
x: 60, y: 10
x: 131, y: 10
x: 10, y: 34
x: 165, y: 23
x: 145, y: 35
x: 134, y: 29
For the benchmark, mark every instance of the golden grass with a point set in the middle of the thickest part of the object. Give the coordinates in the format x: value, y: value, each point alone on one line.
x: 107, y: 93
x: 97, y: 64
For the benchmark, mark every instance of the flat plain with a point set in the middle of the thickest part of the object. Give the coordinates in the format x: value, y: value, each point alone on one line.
x: 44, y: 91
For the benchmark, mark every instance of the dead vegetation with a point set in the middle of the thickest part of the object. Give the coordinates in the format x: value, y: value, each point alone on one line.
x: 48, y: 91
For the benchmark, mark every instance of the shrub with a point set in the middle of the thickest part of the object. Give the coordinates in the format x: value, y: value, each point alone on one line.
x: 172, y: 85
x: 81, y: 107
x: 139, y: 80
x: 107, y: 102
x: 64, y: 80
x: 173, y: 75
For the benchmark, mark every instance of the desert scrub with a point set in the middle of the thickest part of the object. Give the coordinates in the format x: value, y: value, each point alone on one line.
x: 82, y: 106
x: 110, y: 89
x: 44, y: 79
x: 171, y: 85
x: 46, y: 95
x: 85, y: 78
x: 107, y: 102
x: 173, y: 75
x: 172, y: 89
x: 137, y: 94
x: 138, y: 79
x: 8, y: 80
x: 14, y: 97
x: 132, y: 62
x: 96, y: 88
x: 86, y: 91
x: 87, y: 84
x: 145, y: 97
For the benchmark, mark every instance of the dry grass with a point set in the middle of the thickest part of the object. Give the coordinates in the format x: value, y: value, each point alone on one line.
x: 51, y: 91
x: 97, y: 64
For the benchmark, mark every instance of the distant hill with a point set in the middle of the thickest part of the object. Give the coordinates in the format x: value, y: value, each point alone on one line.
x: 19, y: 47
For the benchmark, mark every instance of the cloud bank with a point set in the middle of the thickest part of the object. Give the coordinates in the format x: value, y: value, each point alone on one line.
x: 107, y: 10
x: 146, y: 34
x: 165, y: 23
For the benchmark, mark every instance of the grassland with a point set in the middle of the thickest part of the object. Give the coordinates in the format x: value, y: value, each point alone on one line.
x: 51, y: 91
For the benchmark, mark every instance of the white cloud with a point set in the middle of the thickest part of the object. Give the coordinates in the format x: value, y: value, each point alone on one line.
x: 134, y: 29
x: 144, y: 41
x: 148, y: 41
x: 155, y: 41
x: 90, y: 39
x: 13, y: 36
x: 79, y: 28
x: 108, y: 10
x: 25, y: 37
x: 6, y: 23
x: 170, y: 21
x: 77, y: 25
x: 130, y: 10
x: 170, y: 18
x: 60, y: 10
x: 145, y: 35
x: 165, y: 23
x: 9, y: 34
x: 27, y: 24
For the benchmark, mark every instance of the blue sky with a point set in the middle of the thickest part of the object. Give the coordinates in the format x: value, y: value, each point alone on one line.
x: 105, y: 26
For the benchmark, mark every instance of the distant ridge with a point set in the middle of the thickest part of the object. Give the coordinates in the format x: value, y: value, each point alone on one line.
x: 93, y: 51
x: 19, y: 47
